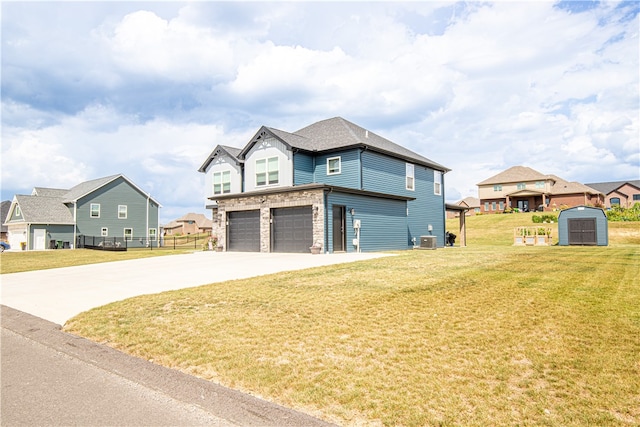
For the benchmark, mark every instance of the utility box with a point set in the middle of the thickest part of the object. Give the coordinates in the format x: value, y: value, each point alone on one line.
x: 583, y: 225
x: 428, y: 242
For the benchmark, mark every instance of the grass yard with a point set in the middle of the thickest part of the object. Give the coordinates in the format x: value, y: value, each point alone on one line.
x: 490, y: 334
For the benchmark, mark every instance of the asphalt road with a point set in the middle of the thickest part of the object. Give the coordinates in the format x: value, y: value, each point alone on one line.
x: 51, y: 378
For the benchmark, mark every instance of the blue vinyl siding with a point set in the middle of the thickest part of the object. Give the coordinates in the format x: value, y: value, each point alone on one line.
x: 117, y: 192
x: 383, y: 222
x: 302, y: 169
x: 388, y: 175
x: 349, y: 176
x: 62, y: 233
x: 384, y: 174
x: 427, y: 209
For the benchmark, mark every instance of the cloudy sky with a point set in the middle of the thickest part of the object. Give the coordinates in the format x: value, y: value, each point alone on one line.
x: 147, y: 89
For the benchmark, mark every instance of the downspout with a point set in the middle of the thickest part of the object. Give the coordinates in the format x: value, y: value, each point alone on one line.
x: 444, y: 210
x: 75, y: 224
x: 147, y: 219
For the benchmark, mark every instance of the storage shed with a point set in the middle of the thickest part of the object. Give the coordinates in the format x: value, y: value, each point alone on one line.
x: 583, y: 225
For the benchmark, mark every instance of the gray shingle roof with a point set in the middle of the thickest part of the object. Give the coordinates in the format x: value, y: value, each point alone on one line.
x: 49, y: 192
x: 4, y: 211
x: 608, y: 187
x: 44, y: 210
x: 515, y: 174
x: 48, y: 205
x: 233, y: 152
x: 87, y: 187
x: 338, y: 133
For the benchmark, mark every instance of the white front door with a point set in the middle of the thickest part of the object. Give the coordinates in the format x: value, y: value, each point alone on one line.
x: 38, y: 239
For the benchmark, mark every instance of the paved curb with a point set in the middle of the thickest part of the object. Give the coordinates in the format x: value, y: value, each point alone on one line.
x: 231, y: 405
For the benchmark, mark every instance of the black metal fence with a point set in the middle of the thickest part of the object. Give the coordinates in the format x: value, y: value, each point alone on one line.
x: 197, y: 242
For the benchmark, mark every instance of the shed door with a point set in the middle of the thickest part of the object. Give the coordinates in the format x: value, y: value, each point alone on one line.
x: 582, y: 231
x: 243, y: 229
x: 292, y: 229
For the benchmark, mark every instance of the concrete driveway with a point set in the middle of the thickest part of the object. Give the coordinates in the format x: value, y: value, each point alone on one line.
x: 59, y: 294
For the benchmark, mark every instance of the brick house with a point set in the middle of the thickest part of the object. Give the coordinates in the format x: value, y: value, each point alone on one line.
x: 528, y: 190
x: 619, y: 193
x: 332, y: 185
x: 191, y: 223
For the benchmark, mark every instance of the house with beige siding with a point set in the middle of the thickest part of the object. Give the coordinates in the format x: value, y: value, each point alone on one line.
x: 191, y: 223
x: 526, y: 189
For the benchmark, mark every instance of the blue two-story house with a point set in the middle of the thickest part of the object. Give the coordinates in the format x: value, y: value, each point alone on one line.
x: 332, y: 184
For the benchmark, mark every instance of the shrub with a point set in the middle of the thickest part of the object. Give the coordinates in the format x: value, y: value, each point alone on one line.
x: 544, y: 218
x: 617, y: 213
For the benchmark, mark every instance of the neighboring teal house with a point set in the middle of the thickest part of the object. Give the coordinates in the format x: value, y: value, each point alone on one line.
x: 332, y: 185
x: 111, y: 209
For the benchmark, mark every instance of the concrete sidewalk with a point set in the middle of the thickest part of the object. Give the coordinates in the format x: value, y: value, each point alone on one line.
x: 59, y: 294
x: 51, y: 378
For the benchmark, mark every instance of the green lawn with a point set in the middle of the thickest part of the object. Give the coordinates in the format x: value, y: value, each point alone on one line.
x: 16, y: 262
x: 490, y: 334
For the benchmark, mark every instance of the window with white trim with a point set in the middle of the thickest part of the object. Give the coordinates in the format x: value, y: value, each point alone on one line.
x: 94, y: 209
x: 521, y: 186
x: 497, y: 187
x: 128, y: 234
x: 122, y: 211
x: 267, y: 171
x: 104, y: 232
x: 334, y: 165
x: 410, y: 177
x: 539, y: 184
x: 222, y: 182
x: 437, y: 183
x: 18, y: 211
x: 152, y: 234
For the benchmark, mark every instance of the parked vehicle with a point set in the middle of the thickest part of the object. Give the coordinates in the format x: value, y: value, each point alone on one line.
x: 3, y: 246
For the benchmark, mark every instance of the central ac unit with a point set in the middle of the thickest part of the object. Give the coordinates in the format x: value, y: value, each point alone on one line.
x: 428, y: 242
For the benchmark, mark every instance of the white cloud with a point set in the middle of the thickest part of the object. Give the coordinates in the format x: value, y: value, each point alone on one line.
x: 148, y: 89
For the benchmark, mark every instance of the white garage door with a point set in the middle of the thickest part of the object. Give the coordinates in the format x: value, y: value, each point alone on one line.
x: 15, y: 236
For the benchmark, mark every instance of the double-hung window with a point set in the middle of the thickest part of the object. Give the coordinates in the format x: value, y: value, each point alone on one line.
x: 521, y: 186
x: 128, y: 234
x: 222, y: 182
x: 267, y: 171
x: 410, y: 177
x: 122, y: 211
x: 437, y: 183
x: 152, y: 234
x: 94, y: 210
x: 104, y: 232
x: 497, y: 187
x: 334, y: 166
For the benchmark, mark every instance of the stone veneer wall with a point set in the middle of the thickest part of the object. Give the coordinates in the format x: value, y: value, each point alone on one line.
x: 265, y: 203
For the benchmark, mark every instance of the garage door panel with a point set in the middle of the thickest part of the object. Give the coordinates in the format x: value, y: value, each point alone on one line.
x: 292, y: 229
x: 244, y: 231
